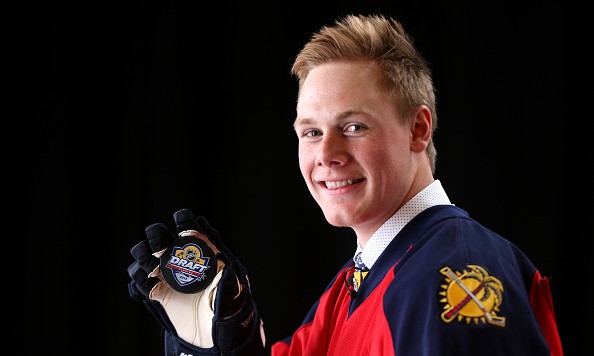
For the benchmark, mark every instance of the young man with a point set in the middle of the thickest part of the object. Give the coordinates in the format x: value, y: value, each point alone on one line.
x: 426, y: 279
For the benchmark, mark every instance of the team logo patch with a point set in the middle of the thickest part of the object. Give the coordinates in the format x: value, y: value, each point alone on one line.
x: 471, y: 295
x: 186, y: 264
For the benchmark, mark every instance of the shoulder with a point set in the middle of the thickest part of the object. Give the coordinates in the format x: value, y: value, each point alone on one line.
x: 449, y: 229
x: 448, y: 239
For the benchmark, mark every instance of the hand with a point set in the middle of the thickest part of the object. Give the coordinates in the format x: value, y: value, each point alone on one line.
x: 221, y: 313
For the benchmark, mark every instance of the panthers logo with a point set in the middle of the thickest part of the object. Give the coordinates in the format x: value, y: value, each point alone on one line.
x: 471, y: 295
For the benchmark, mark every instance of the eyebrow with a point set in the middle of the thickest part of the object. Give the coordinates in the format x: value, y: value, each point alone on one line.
x: 341, y: 116
x: 304, y: 121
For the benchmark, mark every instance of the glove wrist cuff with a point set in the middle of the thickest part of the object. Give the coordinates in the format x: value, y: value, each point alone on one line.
x: 243, y: 328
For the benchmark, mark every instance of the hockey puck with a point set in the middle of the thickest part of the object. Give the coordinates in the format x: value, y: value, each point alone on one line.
x: 189, y: 265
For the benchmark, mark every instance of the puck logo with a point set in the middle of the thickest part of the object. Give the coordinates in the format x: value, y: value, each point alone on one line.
x: 186, y: 265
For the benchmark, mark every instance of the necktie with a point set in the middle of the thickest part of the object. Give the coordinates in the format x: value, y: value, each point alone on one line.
x: 360, y: 271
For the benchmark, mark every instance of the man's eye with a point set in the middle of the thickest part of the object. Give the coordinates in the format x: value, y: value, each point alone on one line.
x: 312, y: 133
x: 354, y: 128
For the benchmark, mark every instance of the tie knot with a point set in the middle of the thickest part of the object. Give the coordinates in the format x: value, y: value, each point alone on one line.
x: 360, y: 271
x: 359, y: 262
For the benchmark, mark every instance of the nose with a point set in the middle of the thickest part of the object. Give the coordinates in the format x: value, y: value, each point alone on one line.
x: 331, y: 150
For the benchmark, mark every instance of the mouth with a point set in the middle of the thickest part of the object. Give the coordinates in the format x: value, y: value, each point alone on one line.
x: 340, y: 183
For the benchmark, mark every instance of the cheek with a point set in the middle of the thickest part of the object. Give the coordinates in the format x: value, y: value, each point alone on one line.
x: 388, y: 158
x: 305, y: 162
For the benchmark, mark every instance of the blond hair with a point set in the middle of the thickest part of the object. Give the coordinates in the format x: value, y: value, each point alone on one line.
x: 406, y: 74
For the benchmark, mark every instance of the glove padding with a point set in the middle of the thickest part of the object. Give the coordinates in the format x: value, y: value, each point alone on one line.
x: 222, y: 315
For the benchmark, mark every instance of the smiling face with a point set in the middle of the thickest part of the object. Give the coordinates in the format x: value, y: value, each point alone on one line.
x: 359, y: 161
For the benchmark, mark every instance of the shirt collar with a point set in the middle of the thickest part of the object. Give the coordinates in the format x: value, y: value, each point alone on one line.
x: 431, y: 195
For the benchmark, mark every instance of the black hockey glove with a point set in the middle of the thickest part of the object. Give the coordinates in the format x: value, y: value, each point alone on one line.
x: 196, y: 289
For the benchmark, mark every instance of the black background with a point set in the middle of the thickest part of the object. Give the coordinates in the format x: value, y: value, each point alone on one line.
x: 139, y: 108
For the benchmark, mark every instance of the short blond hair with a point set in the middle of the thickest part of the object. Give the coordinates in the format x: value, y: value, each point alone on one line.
x: 406, y: 74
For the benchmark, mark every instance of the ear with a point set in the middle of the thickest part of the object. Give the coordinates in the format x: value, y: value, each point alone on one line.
x: 421, y: 129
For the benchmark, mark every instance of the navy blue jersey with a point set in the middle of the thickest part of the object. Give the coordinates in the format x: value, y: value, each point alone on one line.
x: 446, y: 285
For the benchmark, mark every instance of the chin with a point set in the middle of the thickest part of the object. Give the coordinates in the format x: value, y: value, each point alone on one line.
x: 339, y: 220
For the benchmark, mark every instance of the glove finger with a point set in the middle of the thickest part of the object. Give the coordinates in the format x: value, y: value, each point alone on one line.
x: 135, y: 294
x: 141, y: 250
x: 143, y: 255
x: 184, y: 220
x: 232, y: 293
x: 147, y: 286
x: 142, y: 282
x: 159, y: 237
x: 210, y: 231
x: 137, y: 273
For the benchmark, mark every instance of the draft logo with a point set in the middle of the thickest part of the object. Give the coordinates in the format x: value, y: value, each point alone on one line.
x: 188, y: 264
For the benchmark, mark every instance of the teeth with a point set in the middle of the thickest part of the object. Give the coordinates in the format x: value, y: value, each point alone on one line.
x: 338, y: 184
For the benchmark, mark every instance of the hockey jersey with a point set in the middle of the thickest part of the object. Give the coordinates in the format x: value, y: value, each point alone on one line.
x: 446, y: 285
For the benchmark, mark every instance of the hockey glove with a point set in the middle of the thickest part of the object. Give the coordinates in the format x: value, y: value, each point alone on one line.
x: 196, y: 289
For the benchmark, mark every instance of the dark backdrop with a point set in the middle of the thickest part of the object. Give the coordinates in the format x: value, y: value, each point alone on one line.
x: 140, y: 108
